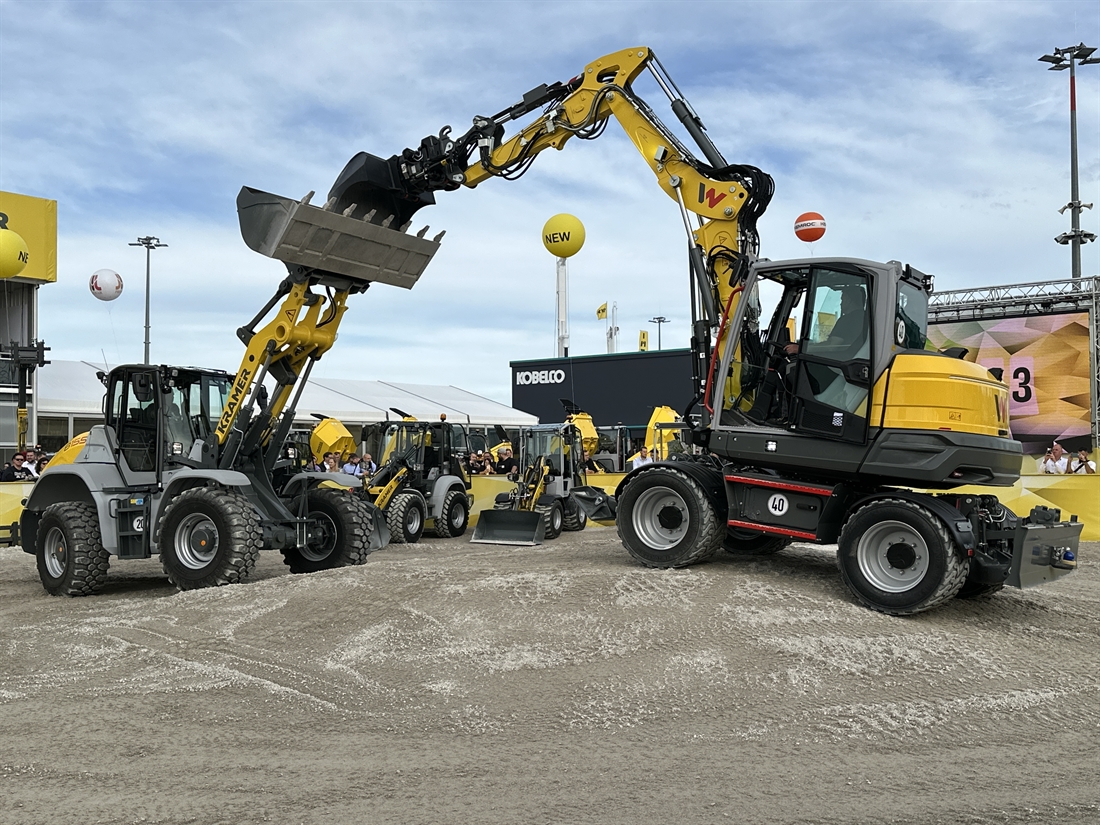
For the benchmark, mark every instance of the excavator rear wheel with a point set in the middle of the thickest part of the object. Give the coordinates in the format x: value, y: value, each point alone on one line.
x: 740, y: 542
x: 339, y: 536
x: 898, y: 558
x: 665, y: 519
x: 405, y: 517
x: 208, y: 537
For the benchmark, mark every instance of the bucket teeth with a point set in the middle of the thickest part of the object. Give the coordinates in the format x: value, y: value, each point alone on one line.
x: 422, y: 232
x: 309, y: 196
x: 405, y: 226
x: 370, y: 215
x: 347, y: 212
x: 438, y: 237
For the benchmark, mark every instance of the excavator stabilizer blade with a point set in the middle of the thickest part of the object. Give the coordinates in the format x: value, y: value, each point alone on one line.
x: 296, y: 233
x: 519, y: 527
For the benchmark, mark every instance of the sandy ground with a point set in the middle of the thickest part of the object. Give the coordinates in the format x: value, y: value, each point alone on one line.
x: 454, y: 683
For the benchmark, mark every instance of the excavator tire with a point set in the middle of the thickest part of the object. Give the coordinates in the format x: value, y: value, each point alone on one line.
x: 574, y: 518
x: 898, y: 558
x: 553, y: 516
x: 70, y: 553
x: 209, y: 536
x: 454, y: 516
x: 405, y: 517
x: 665, y: 519
x: 343, y: 539
x: 739, y: 542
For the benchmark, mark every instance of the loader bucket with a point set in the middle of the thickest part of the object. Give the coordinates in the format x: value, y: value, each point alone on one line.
x: 597, y: 504
x: 296, y: 233
x: 519, y: 527
x: 380, y: 535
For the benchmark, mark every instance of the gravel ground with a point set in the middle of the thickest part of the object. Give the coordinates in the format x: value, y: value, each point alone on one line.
x: 447, y: 682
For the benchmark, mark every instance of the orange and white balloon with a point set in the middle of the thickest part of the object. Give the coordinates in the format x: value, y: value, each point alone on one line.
x: 809, y: 227
x: 105, y: 284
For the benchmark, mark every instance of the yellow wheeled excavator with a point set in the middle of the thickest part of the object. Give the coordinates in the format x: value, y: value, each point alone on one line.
x: 816, y: 436
x: 192, y: 463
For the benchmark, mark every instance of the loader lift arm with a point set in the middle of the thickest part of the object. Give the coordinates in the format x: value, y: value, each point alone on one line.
x: 726, y: 199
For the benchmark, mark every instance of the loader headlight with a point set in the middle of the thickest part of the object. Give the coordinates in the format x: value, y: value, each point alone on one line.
x: 177, y: 448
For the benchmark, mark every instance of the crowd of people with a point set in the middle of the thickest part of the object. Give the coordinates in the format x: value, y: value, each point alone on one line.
x: 25, y: 466
x: 1058, y: 462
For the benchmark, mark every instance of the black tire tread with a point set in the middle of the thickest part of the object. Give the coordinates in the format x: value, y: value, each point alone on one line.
x: 573, y: 518
x: 711, y: 531
x: 545, y: 510
x: 244, y: 524
x: 90, y: 559
x: 443, y: 519
x: 396, y: 512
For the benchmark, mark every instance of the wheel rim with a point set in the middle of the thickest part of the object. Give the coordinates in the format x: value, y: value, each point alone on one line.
x: 892, y: 556
x: 56, y: 553
x: 196, y: 541
x: 323, y: 540
x: 660, y: 518
x: 458, y: 516
x: 556, y: 519
x: 412, y: 520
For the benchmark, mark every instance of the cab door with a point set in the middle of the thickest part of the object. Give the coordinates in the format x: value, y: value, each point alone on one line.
x: 833, y: 368
x: 134, y: 414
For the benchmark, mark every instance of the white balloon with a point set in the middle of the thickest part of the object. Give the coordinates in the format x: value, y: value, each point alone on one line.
x: 105, y: 284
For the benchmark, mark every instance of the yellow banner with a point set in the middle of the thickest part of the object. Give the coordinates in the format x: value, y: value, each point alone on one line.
x: 643, y: 341
x: 35, y: 220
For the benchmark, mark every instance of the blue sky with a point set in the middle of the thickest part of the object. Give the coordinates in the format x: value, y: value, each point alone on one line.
x: 926, y: 132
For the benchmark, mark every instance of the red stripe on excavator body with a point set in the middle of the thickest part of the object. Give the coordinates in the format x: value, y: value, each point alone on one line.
x: 771, y: 528
x: 782, y: 485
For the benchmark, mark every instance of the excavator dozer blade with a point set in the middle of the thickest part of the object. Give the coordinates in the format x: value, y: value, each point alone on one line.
x: 519, y: 527
x: 296, y: 233
x: 597, y: 503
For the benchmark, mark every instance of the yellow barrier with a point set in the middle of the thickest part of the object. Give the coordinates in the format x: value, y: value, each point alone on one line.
x: 12, y: 495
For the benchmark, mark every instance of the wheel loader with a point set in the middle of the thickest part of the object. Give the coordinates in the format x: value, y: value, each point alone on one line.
x: 841, y: 428
x: 420, y: 477
x: 190, y: 463
x: 542, y: 504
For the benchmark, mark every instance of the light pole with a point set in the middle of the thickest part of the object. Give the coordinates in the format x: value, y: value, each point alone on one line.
x: 1060, y: 60
x: 660, y: 319
x: 150, y: 243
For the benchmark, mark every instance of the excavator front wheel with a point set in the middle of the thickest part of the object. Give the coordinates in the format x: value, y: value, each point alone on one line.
x: 665, y: 519
x: 208, y: 537
x: 898, y: 558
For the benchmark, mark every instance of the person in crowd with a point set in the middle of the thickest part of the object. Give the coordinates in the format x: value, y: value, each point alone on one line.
x: 643, y: 457
x: 506, y: 465
x: 332, y: 463
x: 478, y: 464
x: 1055, y: 461
x: 353, y: 466
x: 589, y: 465
x: 43, y: 460
x: 30, y: 461
x: 17, y: 471
x: 1082, y: 464
x: 368, y: 465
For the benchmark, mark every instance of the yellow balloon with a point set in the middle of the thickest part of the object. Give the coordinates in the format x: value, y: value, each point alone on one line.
x: 563, y: 236
x: 13, y: 254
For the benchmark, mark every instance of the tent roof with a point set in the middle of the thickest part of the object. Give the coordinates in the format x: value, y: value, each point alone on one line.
x: 71, y: 387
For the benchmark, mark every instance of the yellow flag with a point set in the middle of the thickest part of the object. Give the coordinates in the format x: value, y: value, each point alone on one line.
x: 602, y: 311
x: 643, y: 341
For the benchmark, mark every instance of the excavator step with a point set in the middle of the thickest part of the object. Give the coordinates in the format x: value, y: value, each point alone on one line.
x: 294, y: 232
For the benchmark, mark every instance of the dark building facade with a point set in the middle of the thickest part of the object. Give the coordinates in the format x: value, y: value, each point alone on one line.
x: 622, y: 388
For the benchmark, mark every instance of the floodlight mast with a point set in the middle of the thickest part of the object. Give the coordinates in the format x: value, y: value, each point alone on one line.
x: 150, y: 243
x: 1061, y: 60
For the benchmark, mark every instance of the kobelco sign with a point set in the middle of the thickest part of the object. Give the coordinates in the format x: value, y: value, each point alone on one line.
x: 540, y: 377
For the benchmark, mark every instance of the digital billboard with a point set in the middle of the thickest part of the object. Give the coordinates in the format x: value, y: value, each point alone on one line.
x: 1045, y: 359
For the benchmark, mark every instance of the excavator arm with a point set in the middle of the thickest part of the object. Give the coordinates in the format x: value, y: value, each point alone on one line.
x: 725, y: 200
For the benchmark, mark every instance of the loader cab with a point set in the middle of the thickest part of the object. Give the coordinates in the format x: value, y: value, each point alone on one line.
x: 560, y: 447
x: 159, y: 413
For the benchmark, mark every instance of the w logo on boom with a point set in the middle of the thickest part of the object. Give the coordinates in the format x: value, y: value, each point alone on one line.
x: 711, y: 196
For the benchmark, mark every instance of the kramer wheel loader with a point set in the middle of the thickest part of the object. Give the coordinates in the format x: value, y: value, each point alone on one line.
x: 191, y: 463
x: 805, y: 435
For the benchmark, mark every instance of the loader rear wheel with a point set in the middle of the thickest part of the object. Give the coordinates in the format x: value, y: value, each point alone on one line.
x: 70, y: 553
x: 898, y: 558
x: 454, y: 515
x: 209, y: 537
x: 574, y: 517
x: 665, y: 519
x: 339, y: 536
x: 553, y: 516
x: 740, y: 542
x: 405, y: 517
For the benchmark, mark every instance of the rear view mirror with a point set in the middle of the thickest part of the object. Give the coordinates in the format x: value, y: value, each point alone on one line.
x: 142, y: 387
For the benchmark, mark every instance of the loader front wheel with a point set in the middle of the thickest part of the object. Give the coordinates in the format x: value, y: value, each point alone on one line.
x: 209, y: 537
x: 665, y: 519
x: 741, y: 542
x: 454, y: 515
x: 553, y: 516
x: 339, y: 536
x: 574, y: 517
x: 896, y: 557
x: 405, y: 517
x: 70, y: 553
